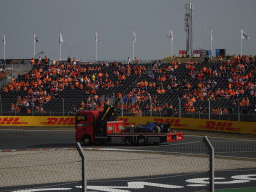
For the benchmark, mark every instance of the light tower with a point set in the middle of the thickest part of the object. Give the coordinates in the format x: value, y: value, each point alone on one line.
x: 188, y: 28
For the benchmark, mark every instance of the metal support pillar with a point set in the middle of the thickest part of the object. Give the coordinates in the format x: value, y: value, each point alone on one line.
x: 82, y: 155
x: 211, y: 150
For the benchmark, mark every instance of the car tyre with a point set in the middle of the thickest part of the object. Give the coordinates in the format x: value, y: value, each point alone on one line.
x: 87, y: 140
x: 156, y: 129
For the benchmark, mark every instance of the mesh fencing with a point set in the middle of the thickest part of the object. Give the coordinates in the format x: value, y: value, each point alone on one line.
x: 189, y: 159
x: 26, y: 168
x: 238, y: 153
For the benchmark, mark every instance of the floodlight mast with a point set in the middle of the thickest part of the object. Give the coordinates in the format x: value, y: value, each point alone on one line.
x: 188, y: 28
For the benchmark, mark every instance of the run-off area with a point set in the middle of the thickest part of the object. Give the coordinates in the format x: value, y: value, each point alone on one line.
x: 26, y: 168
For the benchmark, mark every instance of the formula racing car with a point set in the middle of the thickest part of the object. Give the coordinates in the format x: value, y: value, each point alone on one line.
x: 149, y: 128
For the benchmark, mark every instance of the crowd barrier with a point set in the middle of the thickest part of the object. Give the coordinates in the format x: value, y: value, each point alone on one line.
x: 175, y: 122
x: 196, y: 124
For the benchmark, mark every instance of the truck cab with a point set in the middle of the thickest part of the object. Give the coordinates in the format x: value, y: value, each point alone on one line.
x: 93, y: 125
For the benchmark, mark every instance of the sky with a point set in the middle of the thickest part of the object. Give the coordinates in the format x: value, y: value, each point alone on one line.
x: 115, y: 20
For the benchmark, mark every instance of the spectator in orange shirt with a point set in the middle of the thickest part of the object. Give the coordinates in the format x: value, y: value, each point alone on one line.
x: 100, y: 75
x: 145, y: 84
x: 136, y: 60
x: 162, y: 90
x: 46, y: 60
x: 119, y: 96
x: 123, y: 77
x: 74, y: 61
x: 32, y: 61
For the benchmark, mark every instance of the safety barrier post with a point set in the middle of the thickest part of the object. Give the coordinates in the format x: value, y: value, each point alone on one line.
x: 150, y: 106
x: 63, y: 107
x: 1, y: 106
x: 179, y: 107
x: 81, y: 153
x: 122, y: 110
x: 211, y: 160
x: 238, y: 112
x: 209, y: 110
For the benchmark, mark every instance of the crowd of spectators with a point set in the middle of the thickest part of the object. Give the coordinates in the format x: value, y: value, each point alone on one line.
x: 237, y: 75
x: 3, y: 74
x: 45, y: 82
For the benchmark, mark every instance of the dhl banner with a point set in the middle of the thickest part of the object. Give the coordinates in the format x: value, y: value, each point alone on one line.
x: 59, y: 121
x: 196, y: 124
x: 175, y: 122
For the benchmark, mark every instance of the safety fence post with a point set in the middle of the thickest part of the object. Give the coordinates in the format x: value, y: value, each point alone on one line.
x: 1, y: 106
x: 122, y: 110
x: 211, y: 160
x: 82, y: 155
x: 179, y: 107
x: 209, y: 108
x: 150, y: 106
x: 63, y: 107
x: 238, y: 112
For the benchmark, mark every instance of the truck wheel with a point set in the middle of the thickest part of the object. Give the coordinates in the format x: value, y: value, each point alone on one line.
x: 156, y: 129
x: 141, y: 141
x: 86, y: 140
x: 128, y: 141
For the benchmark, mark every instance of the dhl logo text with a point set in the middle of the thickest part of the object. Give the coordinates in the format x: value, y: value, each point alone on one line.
x: 219, y: 126
x: 125, y: 121
x: 59, y: 121
x: 11, y: 120
x: 172, y: 122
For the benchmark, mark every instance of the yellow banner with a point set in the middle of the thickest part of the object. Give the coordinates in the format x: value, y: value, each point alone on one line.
x: 196, y: 124
x: 58, y: 121
x: 175, y: 122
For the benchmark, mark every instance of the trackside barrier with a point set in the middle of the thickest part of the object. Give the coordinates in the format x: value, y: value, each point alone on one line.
x: 175, y: 122
x: 196, y: 124
x: 167, y: 167
x: 26, y: 169
x: 211, y: 162
x: 82, y: 155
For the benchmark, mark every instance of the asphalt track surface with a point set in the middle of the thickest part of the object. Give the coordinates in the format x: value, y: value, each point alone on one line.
x: 191, y: 145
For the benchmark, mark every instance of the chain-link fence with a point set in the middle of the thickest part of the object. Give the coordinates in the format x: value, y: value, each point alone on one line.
x: 63, y: 107
x: 183, y: 165
x: 13, y: 70
x: 35, y: 168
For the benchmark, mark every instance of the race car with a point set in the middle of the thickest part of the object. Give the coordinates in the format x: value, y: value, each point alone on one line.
x: 149, y: 128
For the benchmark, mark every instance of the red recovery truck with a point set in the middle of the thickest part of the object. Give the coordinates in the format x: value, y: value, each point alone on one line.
x: 100, y: 126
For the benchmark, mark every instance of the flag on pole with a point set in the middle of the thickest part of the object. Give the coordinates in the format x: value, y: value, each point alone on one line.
x: 211, y: 36
x: 243, y: 35
x: 170, y: 35
x: 134, y: 36
x: 35, y: 38
x: 60, y: 39
x: 97, y: 37
x: 4, y: 40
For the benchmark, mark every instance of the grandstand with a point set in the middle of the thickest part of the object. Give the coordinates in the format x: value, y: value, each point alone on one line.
x: 161, y: 89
